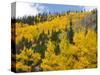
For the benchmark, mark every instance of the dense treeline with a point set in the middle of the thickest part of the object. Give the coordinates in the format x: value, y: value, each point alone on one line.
x: 32, y: 19
x: 41, y: 17
x: 56, y: 42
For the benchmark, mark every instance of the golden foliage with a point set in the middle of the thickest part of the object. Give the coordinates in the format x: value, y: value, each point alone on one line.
x: 24, y: 58
x: 82, y: 53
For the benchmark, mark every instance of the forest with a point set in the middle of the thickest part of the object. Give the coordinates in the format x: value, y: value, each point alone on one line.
x: 52, y: 42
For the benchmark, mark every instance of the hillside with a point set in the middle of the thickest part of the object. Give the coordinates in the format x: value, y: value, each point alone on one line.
x: 59, y: 42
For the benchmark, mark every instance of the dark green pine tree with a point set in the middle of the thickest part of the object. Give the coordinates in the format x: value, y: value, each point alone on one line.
x: 70, y: 33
